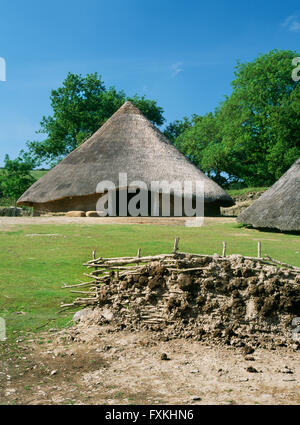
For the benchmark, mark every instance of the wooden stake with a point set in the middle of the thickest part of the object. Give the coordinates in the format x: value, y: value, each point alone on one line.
x: 258, y: 249
x: 224, y: 249
x: 297, y: 269
x: 175, y: 245
x: 94, y: 255
x: 138, y: 255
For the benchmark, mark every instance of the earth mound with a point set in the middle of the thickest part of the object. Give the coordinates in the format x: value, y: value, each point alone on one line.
x: 234, y: 300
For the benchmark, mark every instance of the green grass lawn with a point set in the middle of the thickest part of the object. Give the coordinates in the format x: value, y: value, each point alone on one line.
x: 35, y: 260
x: 239, y: 192
x: 37, y: 174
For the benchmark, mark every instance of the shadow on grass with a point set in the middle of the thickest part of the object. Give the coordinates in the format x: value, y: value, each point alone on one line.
x: 271, y: 230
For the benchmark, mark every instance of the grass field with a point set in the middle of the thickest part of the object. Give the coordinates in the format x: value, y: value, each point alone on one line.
x: 239, y: 192
x: 37, y: 174
x: 35, y: 260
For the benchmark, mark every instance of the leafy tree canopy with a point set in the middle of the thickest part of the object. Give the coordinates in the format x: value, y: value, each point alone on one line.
x: 254, y: 135
x: 80, y: 106
x: 16, y: 176
x: 176, y: 128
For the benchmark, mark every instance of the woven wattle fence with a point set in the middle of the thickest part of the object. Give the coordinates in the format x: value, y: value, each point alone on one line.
x: 115, y: 269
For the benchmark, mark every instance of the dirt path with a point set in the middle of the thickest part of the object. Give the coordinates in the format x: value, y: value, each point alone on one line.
x: 8, y: 222
x: 100, y: 367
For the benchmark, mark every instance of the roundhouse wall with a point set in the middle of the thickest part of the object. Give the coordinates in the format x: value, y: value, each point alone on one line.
x: 88, y: 203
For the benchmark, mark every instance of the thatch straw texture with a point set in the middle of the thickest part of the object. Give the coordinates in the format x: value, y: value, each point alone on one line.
x: 129, y: 143
x: 279, y: 206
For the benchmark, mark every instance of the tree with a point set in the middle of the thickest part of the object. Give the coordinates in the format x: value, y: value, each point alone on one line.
x: 201, y: 143
x: 80, y: 106
x: 16, y: 175
x: 176, y: 128
x: 261, y: 119
x: 254, y: 135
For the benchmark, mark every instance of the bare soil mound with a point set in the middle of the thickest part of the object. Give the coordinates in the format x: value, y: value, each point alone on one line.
x: 242, y: 202
x: 231, y: 300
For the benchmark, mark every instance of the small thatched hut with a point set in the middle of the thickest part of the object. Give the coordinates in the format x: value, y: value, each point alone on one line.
x: 126, y: 143
x: 279, y: 206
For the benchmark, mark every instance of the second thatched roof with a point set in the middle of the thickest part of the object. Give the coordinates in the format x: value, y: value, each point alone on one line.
x: 279, y: 206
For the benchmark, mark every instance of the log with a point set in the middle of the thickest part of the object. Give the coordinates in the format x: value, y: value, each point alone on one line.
x: 98, y: 278
x: 282, y: 264
x: 78, y: 284
x: 129, y: 260
x: 192, y: 269
x: 104, y: 268
x: 84, y: 292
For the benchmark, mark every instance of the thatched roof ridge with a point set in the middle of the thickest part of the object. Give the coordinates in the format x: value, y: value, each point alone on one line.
x: 279, y: 206
x: 127, y: 142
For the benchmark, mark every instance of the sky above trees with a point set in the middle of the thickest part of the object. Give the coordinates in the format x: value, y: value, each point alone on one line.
x: 180, y: 53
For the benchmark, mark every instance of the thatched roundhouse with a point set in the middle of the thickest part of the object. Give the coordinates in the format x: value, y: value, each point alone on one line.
x: 279, y: 206
x: 126, y: 143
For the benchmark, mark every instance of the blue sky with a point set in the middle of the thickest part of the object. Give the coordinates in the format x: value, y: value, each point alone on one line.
x: 178, y: 52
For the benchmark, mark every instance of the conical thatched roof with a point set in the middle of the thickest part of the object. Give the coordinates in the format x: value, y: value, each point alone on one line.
x: 129, y: 143
x: 279, y: 206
